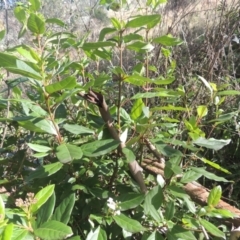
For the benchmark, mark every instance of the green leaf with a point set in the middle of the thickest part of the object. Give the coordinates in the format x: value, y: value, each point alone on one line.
x: 55, y: 21
x: 2, y: 34
x: 129, y: 154
x: 130, y: 200
x: 68, y: 152
x: 214, y: 196
x: 168, y: 40
x: 212, y: 143
x: 139, y: 21
x: 128, y: 224
x: 170, y: 108
x: 116, y: 23
x: 45, y: 171
x: 64, y: 210
x: 164, y: 93
x: 215, y: 165
x: 36, y: 24
x: 178, y: 232
x: 20, y: 234
x: 229, y: 93
x: 42, y: 196
x: 202, y: 111
x: 104, y: 32
x: 76, y: 129
x: 34, y: 5
x: 212, y: 229
x: 39, y: 148
x: 209, y: 175
x: 67, y: 83
x: 2, y: 210
x: 96, y: 45
x: 154, y: 236
x: 137, y: 80
x: 53, y: 230
x: 14, y: 65
x: 20, y: 14
x: 46, y: 211
x: 99, y: 147
x: 45, y: 125
x: 137, y: 109
x: 190, y: 176
x: 170, y: 210
x: 178, y: 192
x: 153, y: 198
x: 8, y: 232
x: 97, y: 234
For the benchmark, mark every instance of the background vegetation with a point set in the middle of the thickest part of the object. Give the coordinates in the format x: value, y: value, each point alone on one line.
x: 93, y: 93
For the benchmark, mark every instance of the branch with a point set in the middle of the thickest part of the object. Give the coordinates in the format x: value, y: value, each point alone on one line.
x: 98, y: 99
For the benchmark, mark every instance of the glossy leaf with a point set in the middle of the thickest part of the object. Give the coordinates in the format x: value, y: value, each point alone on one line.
x: 39, y: 148
x: 97, y: 234
x: 68, y: 152
x: 214, y: 196
x: 99, y: 148
x: 67, y: 83
x: 209, y: 175
x: 42, y: 196
x: 45, y: 171
x: 20, y: 234
x: 128, y: 224
x: 45, y: 125
x: 212, y: 228
x: 53, y: 230
x: 64, y: 210
x: 153, y: 198
x: 77, y: 129
x: 129, y: 154
x: 130, y: 200
x: 137, y: 109
x: 190, y: 176
x: 212, y: 143
x: 46, y: 211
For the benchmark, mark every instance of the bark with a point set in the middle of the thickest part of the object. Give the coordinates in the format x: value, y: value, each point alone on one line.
x: 196, y: 191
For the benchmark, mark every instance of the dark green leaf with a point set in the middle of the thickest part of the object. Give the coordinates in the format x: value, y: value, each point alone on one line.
x: 99, y: 147
x: 104, y: 32
x: 128, y: 224
x: 97, y: 234
x: 178, y: 232
x: 130, y: 200
x: 67, y: 83
x: 45, y: 171
x: 76, y: 129
x: 68, y: 152
x: 46, y: 211
x: 190, y: 176
x: 209, y: 175
x: 64, y: 210
x: 212, y: 229
x: 53, y: 230
x: 42, y: 196
x: 96, y: 45
x: 170, y: 210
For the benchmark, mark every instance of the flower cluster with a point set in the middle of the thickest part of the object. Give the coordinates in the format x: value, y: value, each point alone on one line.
x: 28, y: 201
x: 114, y: 207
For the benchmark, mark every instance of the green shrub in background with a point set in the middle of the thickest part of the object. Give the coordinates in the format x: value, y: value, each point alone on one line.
x: 72, y: 139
